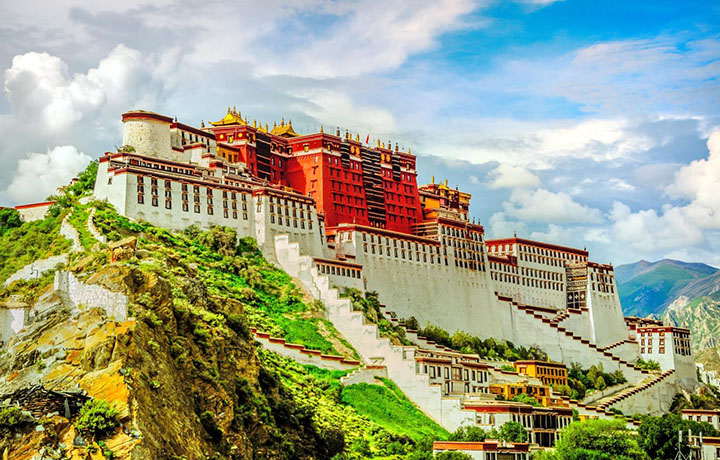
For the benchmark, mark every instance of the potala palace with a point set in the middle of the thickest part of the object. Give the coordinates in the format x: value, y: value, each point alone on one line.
x: 335, y: 212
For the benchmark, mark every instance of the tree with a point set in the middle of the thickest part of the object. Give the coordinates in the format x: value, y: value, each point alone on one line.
x: 452, y: 455
x: 525, y: 399
x: 412, y: 323
x: 513, y: 432
x: 598, y: 440
x: 9, y: 219
x: 85, y: 182
x: 600, y: 383
x: 659, y: 435
x: 469, y: 433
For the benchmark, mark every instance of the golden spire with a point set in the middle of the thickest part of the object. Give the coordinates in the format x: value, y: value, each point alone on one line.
x: 378, y: 143
x: 202, y: 123
x: 234, y: 110
x: 290, y: 122
x: 357, y: 137
x: 396, y: 146
x: 282, y: 121
x: 409, y: 150
x: 321, y: 129
x: 228, y: 109
x: 266, y: 127
x: 274, y: 124
x: 383, y: 144
x: 254, y: 123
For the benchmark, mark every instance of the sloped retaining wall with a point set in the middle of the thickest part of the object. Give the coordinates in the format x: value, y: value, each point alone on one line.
x: 115, y: 304
x: 304, y: 355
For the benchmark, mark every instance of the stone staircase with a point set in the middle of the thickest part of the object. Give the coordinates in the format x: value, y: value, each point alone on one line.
x: 602, y: 354
x: 374, y: 349
x: 617, y: 344
x: 630, y: 392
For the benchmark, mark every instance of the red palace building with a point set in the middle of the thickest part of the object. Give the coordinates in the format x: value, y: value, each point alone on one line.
x: 350, y: 182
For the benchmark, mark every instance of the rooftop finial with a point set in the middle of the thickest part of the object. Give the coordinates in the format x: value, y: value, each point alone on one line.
x: 202, y: 123
x: 266, y: 127
x: 396, y: 146
x: 378, y: 143
x: 337, y: 131
x: 274, y: 124
x: 228, y: 109
x: 282, y: 121
x: 290, y: 122
x: 409, y: 150
x: 357, y: 137
x: 234, y: 110
x: 321, y: 129
x: 254, y: 123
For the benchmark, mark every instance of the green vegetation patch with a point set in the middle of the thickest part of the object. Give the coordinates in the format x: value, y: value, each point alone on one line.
x: 389, y: 407
x: 29, y: 242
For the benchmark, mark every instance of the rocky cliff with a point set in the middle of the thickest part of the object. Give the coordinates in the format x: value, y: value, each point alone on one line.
x: 186, y: 383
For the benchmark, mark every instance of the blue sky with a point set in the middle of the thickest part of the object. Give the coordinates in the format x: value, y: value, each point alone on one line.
x: 574, y: 122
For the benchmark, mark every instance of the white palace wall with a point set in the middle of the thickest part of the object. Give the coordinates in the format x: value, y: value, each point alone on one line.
x: 253, y: 213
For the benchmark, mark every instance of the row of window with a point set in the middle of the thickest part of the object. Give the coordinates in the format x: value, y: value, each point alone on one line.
x: 529, y: 282
x: 295, y: 223
x: 339, y: 271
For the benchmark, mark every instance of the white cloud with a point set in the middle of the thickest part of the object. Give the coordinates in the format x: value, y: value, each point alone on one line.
x: 333, y: 108
x: 621, y: 185
x: 369, y: 36
x: 509, y: 176
x: 499, y: 226
x: 42, y: 92
x: 40, y: 174
x: 699, y: 182
x: 549, y: 207
x: 648, y: 231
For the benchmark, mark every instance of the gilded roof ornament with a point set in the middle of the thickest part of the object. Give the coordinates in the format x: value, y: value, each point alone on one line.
x: 231, y: 118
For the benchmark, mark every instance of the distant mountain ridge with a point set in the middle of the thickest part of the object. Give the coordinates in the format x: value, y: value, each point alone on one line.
x: 648, y: 288
x: 680, y: 294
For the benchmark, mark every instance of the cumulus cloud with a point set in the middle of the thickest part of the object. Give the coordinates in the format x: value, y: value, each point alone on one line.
x: 40, y: 174
x: 699, y: 182
x: 648, y: 231
x: 41, y: 89
x: 549, y: 207
x: 334, y: 108
x: 509, y: 176
x: 368, y: 36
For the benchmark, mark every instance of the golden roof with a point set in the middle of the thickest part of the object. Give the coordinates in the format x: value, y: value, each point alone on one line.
x: 232, y: 117
x: 285, y: 130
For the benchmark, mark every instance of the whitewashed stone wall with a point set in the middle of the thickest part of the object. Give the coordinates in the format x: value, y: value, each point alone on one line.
x: 302, y: 356
x: 11, y: 321
x: 149, y: 137
x: 654, y: 400
x: 35, y: 269
x: 69, y: 232
x: 93, y: 229
x: 365, y: 375
x: 115, y: 304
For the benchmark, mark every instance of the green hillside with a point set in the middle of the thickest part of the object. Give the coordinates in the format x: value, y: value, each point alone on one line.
x: 648, y: 288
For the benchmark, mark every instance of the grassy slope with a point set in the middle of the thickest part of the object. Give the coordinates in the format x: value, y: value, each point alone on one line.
x: 272, y: 303
x: 29, y: 242
x: 389, y: 407
x: 649, y: 292
x: 377, y: 421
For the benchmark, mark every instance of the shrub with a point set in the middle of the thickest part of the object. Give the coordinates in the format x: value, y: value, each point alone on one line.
x: 12, y: 416
x: 469, y: 433
x: 513, y: 432
x: 526, y: 399
x: 452, y: 455
x: 97, y: 418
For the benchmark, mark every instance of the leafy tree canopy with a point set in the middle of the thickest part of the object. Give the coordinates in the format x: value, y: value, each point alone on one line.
x: 598, y: 440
